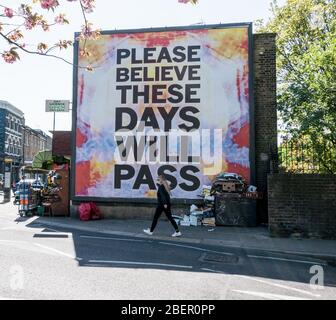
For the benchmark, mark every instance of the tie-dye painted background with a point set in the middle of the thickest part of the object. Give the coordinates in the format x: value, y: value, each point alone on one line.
x: 224, y: 105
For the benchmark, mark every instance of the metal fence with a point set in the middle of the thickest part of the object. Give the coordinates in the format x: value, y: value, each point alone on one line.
x: 307, y: 157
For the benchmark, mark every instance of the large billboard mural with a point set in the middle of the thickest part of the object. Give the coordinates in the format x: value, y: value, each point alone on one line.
x: 170, y: 101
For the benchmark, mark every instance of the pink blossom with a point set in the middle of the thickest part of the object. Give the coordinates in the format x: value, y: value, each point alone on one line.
x: 188, y: 1
x: 9, y: 57
x: 15, y: 35
x: 88, y: 32
x: 29, y: 24
x: 88, y: 5
x: 60, y: 19
x: 45, y: 26
x: 9, y: 12
x: 49, y: 4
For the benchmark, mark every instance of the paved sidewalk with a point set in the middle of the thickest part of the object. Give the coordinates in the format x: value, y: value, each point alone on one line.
x: 248, y: 238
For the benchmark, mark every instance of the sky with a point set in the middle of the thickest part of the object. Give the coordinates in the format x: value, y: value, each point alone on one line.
x: 28, y: 83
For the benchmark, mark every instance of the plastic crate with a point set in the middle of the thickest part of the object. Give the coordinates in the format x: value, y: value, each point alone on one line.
x: 40, y: 211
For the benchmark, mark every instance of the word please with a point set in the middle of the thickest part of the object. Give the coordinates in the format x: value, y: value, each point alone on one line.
x: 156, y: 55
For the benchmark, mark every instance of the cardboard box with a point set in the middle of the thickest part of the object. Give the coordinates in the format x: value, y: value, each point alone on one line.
x: 229, y: 186
x: 194, y: 220
x: 209, y: 222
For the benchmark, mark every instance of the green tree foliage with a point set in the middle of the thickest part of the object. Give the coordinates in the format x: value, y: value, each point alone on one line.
x: 306, y: 68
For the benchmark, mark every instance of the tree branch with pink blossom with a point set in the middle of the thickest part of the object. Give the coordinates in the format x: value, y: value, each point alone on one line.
x: 16, y: 23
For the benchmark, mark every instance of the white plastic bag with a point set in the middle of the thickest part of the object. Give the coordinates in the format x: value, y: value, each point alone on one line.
x: 252, y: 189
x: 193, y: 208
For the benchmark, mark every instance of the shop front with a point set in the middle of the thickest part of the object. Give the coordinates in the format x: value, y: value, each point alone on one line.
x: 44, y: 189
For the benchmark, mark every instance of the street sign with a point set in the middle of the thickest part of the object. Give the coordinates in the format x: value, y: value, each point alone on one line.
x: 57, y: 105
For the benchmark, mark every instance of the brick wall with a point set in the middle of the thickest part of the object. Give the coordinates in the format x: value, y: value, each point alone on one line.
x: 303, y: 204
x: 265, y: 113
x: 61, y: 143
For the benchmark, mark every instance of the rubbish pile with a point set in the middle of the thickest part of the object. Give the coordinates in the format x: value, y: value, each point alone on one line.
x: 203, y: 214
x: 225, y: 183
x: 228, y: 182
x: 197, y: 216
x: 232, y: 183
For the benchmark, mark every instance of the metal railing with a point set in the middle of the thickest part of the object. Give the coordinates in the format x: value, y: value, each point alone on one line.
x: 307, y: 157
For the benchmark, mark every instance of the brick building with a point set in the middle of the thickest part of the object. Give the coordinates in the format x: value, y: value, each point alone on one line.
x: 11, y: 137
x: 61, y: 145
x: 35, y: 140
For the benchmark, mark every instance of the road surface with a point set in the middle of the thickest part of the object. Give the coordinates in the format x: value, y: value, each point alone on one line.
x: 37, y: 262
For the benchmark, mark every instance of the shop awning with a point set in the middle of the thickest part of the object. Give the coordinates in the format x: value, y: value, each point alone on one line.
x: 42, y: 157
